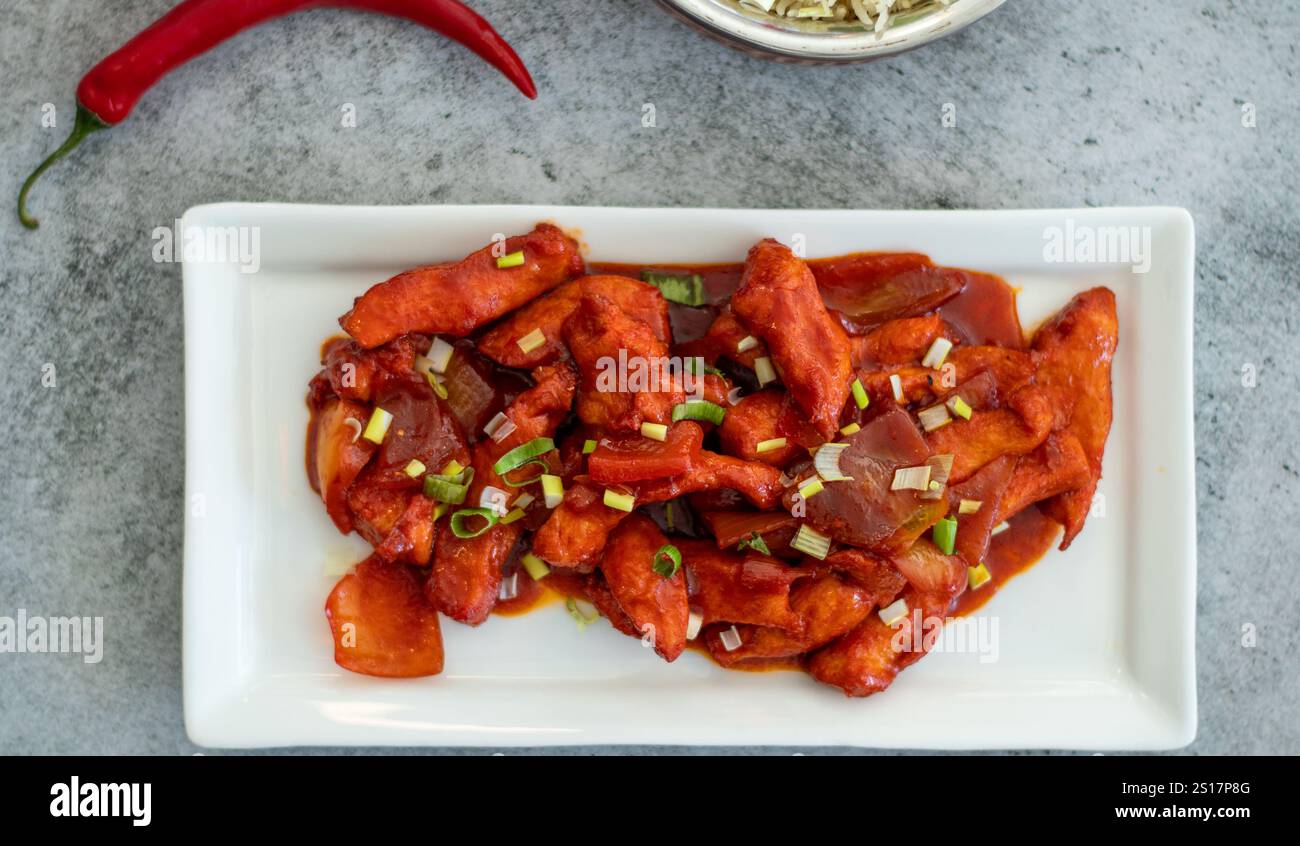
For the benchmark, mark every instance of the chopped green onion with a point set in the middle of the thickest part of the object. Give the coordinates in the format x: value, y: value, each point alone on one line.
x: 770, y: 445
x: 1000, y: 528
x: 619, y: 502
x: 512, y: 516
x: 552, y: 490
x: 934, y: 417
x: 937, y: 353
x: 439, y: 510
x: 694, y: 622
x: 524, y: 500
x: 810, y: 488
x: 521, y: 455
x: 894, y: 614
x: 440, y: 353
x: 811, y: 542
x: 764, y: 370
x: 532, y: 341
x: 699, y: 410
x: 911, y: 478
x: 453, y: 468
x: 896, y: 384
x: 755, y: 542
x: 428, y: 368
x: 464, y: 515
x: 826, y: 460
x: 959, y: 407
x: 439, y: 389
x: 535, y: 566
x: 851, y: 429
x: 731, y: 639
x: 575, y: 611
x: 499, y: 427
x: 746, y: 344
x: 378, y: 426
x: 588, y: 447
x: 978, y: 577
x: 514, y: 259
x: 969, y: 506
x: 945, y: 535
x: 667, y: 561
x: 860, y: 394
x: 414, y: 468
x: 654, y: 431
x: 940, y: 468
x: 541, y: 462
x: 668, y: 515
x: 681, y: 288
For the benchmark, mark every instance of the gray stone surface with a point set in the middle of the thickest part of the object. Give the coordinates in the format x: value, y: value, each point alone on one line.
x: 1059, y: 103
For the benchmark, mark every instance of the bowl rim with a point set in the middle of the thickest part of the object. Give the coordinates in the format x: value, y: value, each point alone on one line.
x: 728, y: 22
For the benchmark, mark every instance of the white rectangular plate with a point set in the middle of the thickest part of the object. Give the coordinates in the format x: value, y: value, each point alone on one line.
x: 1095, y: 645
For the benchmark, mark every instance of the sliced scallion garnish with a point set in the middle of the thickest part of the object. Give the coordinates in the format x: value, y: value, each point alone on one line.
x: 811, y: 542
x: 522, y: 454
x: 937, y: 353
x: 934, y: 417
x: 512, y: 515
x: 851, y: 429
x: 588, y: 447
x: 377, y: 427
x: 896, y: 383
x: 860, y: 394
x: 755, y: 542
x: 618, y: 501
x: 535, y: 566
x: 440, y: 353
x: 770, y: 444
x: 667, y: 561
x: 945, y: 535
x: 978, y: 577
x: 552, y: 490
x: 532, y: 341
x: 519, y: 483
x: 731, y: 640
x: 827, y: 462
x: 460, y: 519
x: 895, y: 613
x: 911, y: 478
x: 959, y: 407
x: 699, y: 410
x: 654, y: 431
x: 681, y: 288
x: 514, y: 259
x: 414, y: 468
x: 746, y: 344
x: 764, y: 370
x: 969, y: 506
x: 811, y: 488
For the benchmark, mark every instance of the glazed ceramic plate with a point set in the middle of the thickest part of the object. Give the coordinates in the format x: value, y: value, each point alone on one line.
x: 1094, y: 646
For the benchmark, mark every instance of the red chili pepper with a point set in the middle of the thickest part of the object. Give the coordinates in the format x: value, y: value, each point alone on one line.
x: 107, y: 94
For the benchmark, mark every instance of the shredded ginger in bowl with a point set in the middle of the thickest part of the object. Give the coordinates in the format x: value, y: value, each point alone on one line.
x: 872, y: 13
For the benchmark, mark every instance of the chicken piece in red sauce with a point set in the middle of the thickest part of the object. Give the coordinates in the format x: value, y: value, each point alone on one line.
x: 625, y: 377
x: 547, y: 315
x: 1074, y: 350
x: 381, y: 623
x: 779, y: 303
x: 656, y: 605
x: 456, y: 298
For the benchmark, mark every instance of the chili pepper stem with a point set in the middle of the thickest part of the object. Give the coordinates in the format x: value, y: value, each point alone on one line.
x: 86, y: 123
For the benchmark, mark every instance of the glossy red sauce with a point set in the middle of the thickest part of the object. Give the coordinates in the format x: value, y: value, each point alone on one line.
x: 983, y: 312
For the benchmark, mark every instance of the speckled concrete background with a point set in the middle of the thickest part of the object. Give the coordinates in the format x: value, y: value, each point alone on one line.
x: 1059, y: 103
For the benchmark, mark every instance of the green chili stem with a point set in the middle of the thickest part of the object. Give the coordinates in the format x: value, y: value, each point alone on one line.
x: 86, y: 123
